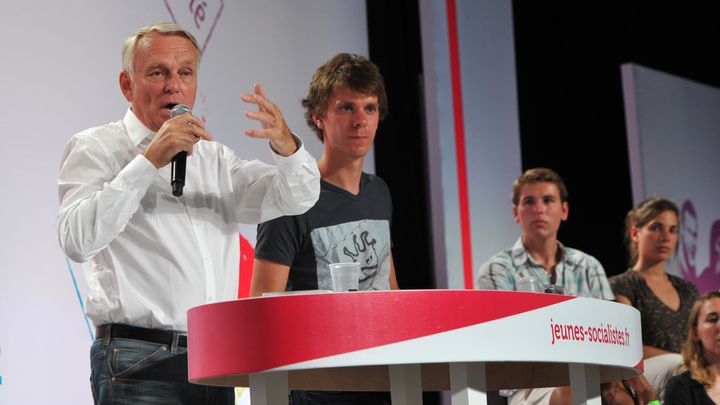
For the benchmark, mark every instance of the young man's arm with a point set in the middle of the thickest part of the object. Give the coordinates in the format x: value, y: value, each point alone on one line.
x: 494, y: 275
x: 268, y: 276
x: 598, y: 281
x: 278, y: 243
x: 393, y: 279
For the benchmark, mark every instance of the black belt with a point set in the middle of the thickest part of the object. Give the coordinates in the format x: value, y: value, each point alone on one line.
x: 117, y: 330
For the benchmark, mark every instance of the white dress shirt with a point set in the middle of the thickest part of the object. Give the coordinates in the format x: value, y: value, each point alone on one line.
x: 149, y: 256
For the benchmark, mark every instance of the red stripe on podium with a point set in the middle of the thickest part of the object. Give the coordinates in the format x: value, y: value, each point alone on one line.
x: 271, y: 332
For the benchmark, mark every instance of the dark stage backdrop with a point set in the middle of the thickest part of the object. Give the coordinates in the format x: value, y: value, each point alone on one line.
x: 570, y: 106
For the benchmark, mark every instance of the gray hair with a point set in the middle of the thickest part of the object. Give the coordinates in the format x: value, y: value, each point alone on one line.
x: 168, y: 28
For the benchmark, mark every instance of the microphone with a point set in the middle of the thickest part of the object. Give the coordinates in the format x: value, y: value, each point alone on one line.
x: 177, y: 166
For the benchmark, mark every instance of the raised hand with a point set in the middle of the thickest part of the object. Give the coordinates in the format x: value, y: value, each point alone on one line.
x: 271, y: 120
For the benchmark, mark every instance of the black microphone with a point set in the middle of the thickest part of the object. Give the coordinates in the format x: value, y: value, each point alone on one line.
x: 177, y: 168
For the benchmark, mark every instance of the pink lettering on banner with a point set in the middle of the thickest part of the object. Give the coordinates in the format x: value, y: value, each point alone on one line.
x: 602, y: 333
x: 197, y: 16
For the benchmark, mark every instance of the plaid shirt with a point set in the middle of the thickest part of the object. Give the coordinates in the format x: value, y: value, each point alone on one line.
x: 579, y: 273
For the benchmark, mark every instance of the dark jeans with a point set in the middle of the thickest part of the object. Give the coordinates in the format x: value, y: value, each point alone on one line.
x: 339, y: 398
x: 133, y: 372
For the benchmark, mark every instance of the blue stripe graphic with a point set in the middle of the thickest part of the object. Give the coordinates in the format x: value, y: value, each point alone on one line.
x: 82, y: 306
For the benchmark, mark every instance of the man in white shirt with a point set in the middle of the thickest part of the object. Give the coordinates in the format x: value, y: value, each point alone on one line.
x: 150, y: 256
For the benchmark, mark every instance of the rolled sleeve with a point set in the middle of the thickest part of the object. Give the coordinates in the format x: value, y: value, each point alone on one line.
x: 97, y: 200
x: 302, y: 178
x: 494, y: 276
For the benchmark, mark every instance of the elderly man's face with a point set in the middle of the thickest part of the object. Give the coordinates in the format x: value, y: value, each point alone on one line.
x: 165, y: 74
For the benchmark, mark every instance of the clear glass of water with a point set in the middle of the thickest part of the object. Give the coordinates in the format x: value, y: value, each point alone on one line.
x: 345, y: 276
x: 530, y: 284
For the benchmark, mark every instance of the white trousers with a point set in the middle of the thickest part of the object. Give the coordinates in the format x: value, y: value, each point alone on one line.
x: 659, y: 369
x: 531, y: 396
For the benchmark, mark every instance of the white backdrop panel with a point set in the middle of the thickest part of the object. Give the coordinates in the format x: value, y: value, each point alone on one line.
x: 60, y: 75
x: 492, y: 134
x: 674, y: 138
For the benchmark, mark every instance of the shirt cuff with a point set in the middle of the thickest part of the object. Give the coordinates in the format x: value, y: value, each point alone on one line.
x: 138, y: 174
x: 298, y: 158
x: 298, y: 144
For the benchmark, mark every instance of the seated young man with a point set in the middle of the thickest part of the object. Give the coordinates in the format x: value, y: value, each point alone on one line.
x: 540, y: 205
x: 351, y: 220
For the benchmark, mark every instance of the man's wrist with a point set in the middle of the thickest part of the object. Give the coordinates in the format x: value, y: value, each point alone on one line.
x: 290, y: 146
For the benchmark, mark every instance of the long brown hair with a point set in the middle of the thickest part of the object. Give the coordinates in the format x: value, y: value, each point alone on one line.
x: 642, y: 214
x: 693, y: 352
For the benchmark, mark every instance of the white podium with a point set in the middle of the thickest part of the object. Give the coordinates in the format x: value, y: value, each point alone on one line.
x: 465, y: 341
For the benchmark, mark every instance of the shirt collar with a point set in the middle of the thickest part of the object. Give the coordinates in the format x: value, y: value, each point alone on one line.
x: 520, y: 255
x: 137, y: 131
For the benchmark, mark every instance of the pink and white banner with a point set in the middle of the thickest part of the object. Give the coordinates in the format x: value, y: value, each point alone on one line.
x: 673, y: 139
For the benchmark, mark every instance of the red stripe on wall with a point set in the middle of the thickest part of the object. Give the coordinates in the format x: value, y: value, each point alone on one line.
x: 460, y: 143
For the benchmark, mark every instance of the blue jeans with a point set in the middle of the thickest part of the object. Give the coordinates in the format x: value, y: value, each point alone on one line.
x: 339, y: 398
x: 133, y: 372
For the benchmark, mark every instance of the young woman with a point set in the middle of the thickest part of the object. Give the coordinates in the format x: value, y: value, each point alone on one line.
x: 664, y: 300
x: 699, y: 384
